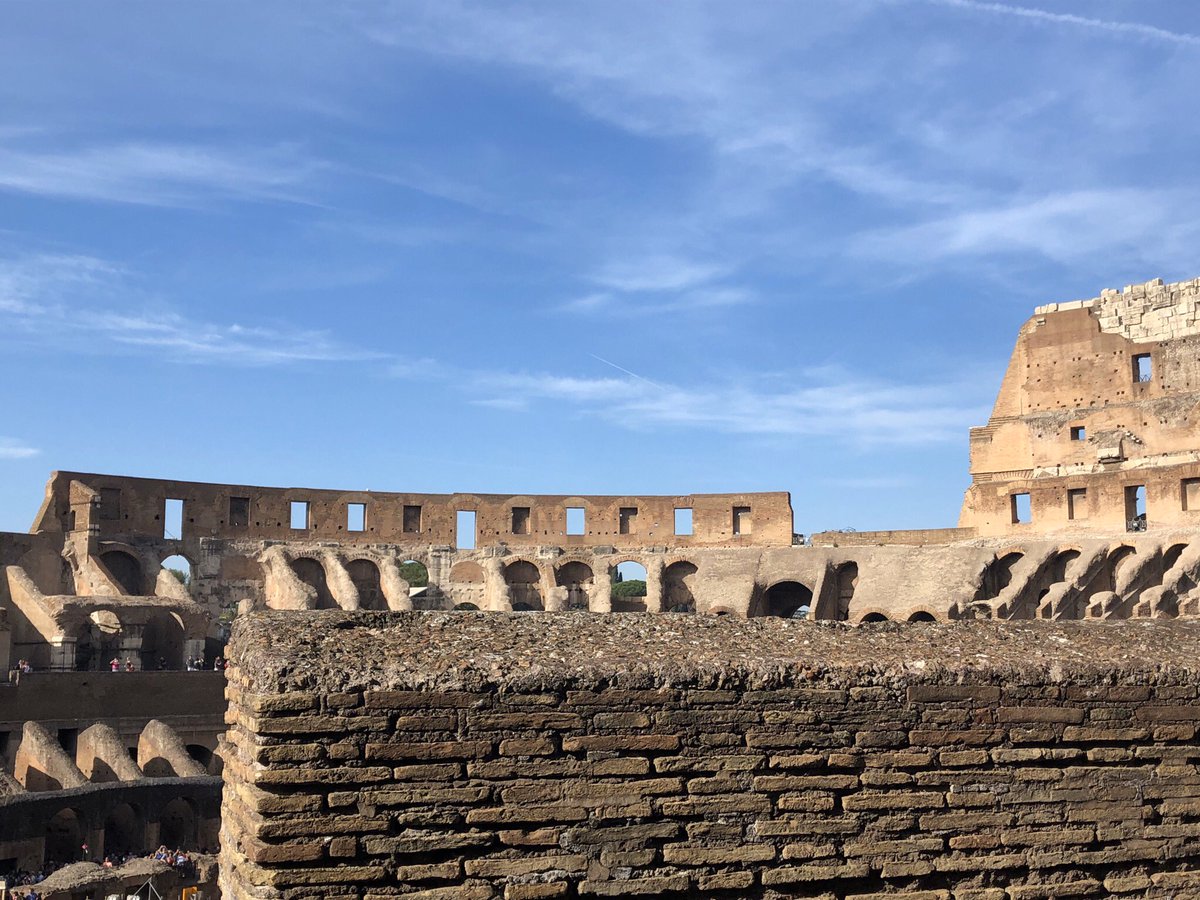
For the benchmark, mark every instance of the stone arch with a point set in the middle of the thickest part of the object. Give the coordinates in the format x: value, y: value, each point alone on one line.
x: 312, y: 573
x: 1119, y: 557
x: 1171, y: 556
x: 98, y: 641
x: 124, y: 830
x: 524, y: 578
x: 872, y: 617
x: 65, y: 834
x: 467, y: 572
x: 622, y: 602
x: 178, y: 561
x: 125, y: 570
x: 922, y: 616
x: 162, y: 642
x: 787, y: 600
x: 721, y: 611
x: 367, y: 581
x: 577, y: 578
x: 177, y: 824
x: 846, y: 580
x: 465, y: 607
x: 677, y: 596
x: 997, y: 575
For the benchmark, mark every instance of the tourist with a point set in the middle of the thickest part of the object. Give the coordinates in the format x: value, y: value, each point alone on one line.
x: 218, y: 664
x: 129, y: 665
x: 115, y: 665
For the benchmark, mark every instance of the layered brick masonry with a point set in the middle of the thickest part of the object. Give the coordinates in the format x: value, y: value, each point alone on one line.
x: 476, y: 756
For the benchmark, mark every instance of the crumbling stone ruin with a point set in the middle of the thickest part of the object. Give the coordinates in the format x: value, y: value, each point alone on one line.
x: 521, y: 757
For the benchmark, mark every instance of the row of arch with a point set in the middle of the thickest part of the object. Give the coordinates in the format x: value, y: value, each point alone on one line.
x: 122, y: 830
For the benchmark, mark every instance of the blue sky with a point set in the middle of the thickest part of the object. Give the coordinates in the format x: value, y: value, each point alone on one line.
x: 565, y: 247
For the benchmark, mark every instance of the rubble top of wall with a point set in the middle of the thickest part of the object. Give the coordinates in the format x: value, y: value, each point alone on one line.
x: 323, y: 652
x: 1143, y: 312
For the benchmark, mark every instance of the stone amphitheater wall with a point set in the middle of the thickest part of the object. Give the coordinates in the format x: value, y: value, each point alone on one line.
x: 474, y: 756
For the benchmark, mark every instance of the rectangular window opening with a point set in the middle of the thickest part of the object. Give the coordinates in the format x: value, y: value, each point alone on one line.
x: 1143, y: 368
x: 1022, y: 509
x: 239, y: 512
x: 683, y: 521
x: 576, y: 520
x: 1078, y: 433
x: 356, y: 517
x: 110, y: 503
x: 520, y: 520
x: 1135, y: 507
x: 627, y: 520
x: 173, y: 520
x: 1190, y: 490
x: 1077, y: 504
x: 299, y: 515
x: 464, y: 538
x: 742, y: 523
x: 412, y: 520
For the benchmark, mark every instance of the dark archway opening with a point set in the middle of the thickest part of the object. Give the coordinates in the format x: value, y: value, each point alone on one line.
x: 162, y: 642
x: 577, y: 578
x: 789, y: 600
x: 312, y: 573
x: 920, y: 618
x: 177, y: 824
x: 64, y: 838
x: 872, y: 618
x: 125, y: 571
x: 365, y: 575
x: 677, y: 588
x: 523, y: 580
x: 124, y: 832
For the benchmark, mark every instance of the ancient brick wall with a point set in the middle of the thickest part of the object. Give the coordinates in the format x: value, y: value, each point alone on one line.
x: 473, y: 756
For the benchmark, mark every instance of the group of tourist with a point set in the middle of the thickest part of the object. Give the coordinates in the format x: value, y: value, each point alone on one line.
x: 197, y: 664
x: 115, y: 665
x: 178, y: 859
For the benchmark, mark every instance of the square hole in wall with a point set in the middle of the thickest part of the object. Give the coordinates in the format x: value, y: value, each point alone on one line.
x: 742, y: 523
x: 464, y: 538
x: 412, y: 520
x: 1135, y: 507
x: 1077, y: 503
x: 1078, y: 433
x: 356, y: 517
x: 1143, y: 368
x: 173, y: 519
x: 1022, y: 509
x: 683, y: 521
x: 576, y: 520
x: 520, y: 520
x: 239, y: 511
x: 1190, y: 493
x: 299, y: 515
x: 627, y: 520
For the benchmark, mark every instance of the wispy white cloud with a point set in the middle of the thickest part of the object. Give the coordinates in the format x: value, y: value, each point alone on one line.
x: 1066, y: 226
x: 63, y: 297
x: 11, y: 448
x: 1135, y: 30
x: 657, y: 284
x: 155, y: 174
x: 826, y: 403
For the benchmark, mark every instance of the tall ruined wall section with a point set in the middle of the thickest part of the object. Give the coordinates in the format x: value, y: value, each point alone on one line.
x: 511, y: 757
x: 1096, y: 419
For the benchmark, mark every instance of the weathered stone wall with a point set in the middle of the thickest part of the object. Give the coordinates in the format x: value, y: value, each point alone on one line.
x: 438, y: 756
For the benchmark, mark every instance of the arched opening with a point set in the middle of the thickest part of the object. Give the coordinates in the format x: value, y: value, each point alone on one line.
x: 920, y: 617
x: 180, y: 569
x: 312, y: 573
x: 1117, y: 560
x: 576, y: 577
x: 467, y: 572
x: 523, y: 578
x: 422, y: 594
x: 177, y: 824
x: 677, y: 588
x: 209, y: 759
x: 99, y: 641
x: 872, y: 618
x: 1172, y: 556
x: 997, y: 575
x: 466, y: 607
x: 788, y: 600
x: 125, y: 570
x: 847, y: 581
x: 1057, y: 571
x: 365, y: 575
x: 629, y: 587
x: 64, y: 838
x: 162, y: 642
x: 124, y: 832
